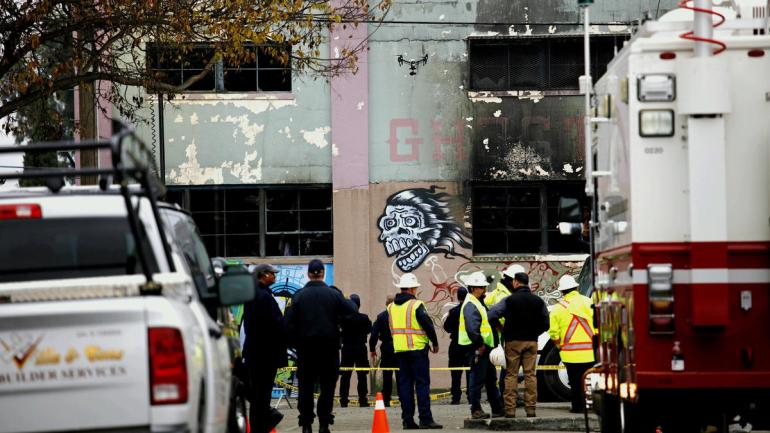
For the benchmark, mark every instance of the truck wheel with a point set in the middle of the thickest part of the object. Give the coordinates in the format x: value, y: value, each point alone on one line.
x: 555, y: 382
x: 609, y: 413
x: 238, y: 418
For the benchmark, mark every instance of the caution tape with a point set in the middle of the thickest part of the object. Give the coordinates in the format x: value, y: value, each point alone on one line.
x: 539, y: 367
x: 393, y: 402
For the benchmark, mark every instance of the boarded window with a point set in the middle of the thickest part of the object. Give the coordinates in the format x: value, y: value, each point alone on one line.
x: 521, y: 218
x: 549, y: 63
x: 258, y: 222
x: 261, y: 69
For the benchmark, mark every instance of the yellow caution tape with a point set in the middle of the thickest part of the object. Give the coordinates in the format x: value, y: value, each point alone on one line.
x: 394, y: 402
x: 539, y: 367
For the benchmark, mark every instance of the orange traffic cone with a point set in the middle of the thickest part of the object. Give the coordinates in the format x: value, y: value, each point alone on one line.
x: 273, y: 430
x: 380, y: 424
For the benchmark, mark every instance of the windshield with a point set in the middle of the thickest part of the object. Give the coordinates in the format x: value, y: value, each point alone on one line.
x: 46, y: 249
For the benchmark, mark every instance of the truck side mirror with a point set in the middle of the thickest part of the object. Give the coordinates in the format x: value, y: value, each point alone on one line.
x: 236, y: 288
x: 570, y: 216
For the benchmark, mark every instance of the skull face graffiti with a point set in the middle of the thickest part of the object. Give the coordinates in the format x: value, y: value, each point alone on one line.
x: 403, y: 228
x: 417, y: 222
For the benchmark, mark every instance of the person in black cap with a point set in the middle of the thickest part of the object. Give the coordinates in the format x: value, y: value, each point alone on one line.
x: 381, y: 332
x: 264, y: 350
x: 314, y: 319
x: 354, y: 334
x: 458, y: 355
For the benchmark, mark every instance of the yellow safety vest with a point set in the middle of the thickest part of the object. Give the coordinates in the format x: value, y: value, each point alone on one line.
x: 496, y: 295
x: 571, y: 325
x: 486, y: 329
x: 404, y: 327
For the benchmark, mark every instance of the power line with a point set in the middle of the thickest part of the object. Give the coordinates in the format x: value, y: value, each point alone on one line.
x: 486, y: 23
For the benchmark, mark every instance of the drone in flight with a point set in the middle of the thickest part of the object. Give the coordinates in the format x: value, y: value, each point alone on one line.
x: 413, y: 63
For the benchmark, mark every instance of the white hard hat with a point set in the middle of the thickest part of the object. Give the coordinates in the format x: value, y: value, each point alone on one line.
x: 476, y: 279
x: 497, y: 356
x: 567, y: 282
x: 514, y: 269
x: 408, y: 281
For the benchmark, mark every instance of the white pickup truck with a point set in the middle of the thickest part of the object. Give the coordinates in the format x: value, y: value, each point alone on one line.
x: 101, y: 322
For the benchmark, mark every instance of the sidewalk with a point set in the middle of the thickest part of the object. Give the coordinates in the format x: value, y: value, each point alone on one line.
x: 552, y: 417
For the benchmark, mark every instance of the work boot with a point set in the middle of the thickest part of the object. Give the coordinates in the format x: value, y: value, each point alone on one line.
x: 307, y: 429
x: 275, y: 418
x: 323, y: 428
x: 531, y: 415
x: 479, y: 414
x: 410, y: 425
x: 431, y: 425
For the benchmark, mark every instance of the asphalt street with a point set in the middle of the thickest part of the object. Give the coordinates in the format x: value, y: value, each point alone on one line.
x: 358, y: 420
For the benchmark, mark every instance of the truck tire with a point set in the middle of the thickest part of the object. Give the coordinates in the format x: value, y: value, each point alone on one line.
x: 554, y: 382
x: 238, y: 417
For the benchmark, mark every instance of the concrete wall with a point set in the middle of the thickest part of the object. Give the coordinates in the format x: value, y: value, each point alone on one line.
x: 385, y: 136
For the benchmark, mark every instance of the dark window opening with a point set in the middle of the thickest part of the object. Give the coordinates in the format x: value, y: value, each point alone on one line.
x: 549, y: 63
x: 258, y: 222
x: 260, y: 71
x: 522, y: 218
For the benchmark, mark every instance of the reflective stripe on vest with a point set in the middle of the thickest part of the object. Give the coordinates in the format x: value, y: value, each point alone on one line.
x: 486, y: 329
x: 405, y: 328
x: 573, y: 324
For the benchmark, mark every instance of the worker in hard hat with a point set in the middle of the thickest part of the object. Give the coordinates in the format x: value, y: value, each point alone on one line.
x: 477, y: 334
x: 413, y: 333
x: 503, y: 288
x: 572, y: 332
x: 526, y: 317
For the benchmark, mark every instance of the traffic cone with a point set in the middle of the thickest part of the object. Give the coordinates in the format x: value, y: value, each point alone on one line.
x: 380, y: 423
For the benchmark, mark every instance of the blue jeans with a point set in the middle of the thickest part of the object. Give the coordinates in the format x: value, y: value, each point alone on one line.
x: 414, y: 373
x: 483, y: 374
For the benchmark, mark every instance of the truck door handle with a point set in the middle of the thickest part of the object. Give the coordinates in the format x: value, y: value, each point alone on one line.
x: 215, y: 332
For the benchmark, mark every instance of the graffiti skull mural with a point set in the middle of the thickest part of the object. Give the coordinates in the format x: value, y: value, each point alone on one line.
x: 417, y: 222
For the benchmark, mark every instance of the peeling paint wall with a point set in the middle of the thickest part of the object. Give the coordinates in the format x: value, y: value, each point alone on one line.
x: 429, y: 127
x: 247, y: 138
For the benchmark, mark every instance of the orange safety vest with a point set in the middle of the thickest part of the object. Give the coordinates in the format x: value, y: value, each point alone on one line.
x: 573, y: 331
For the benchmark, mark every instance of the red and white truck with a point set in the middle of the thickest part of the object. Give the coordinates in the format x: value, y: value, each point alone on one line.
x: 681, y: 229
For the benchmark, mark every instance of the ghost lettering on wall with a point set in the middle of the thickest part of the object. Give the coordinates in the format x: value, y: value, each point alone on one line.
x: 416, y: 223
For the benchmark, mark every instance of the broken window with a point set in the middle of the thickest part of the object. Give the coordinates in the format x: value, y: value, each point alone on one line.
x: 536, y: 63
x: 261, y: 70
x: 260, y: 222
x: 521, y: 218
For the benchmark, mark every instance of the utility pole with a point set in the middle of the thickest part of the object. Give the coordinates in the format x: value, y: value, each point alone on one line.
x: 586, y: 87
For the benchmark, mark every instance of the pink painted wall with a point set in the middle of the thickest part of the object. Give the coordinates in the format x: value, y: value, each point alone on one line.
x: 349, y: 112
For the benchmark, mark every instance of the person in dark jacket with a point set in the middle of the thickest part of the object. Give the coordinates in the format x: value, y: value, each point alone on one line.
x: 526, y: 317
x: 264, y: 350
x: 354, y: 334
x: 458, y: 355
x: 413, y: 332
x: 314, y: 319
x: 381, y: 332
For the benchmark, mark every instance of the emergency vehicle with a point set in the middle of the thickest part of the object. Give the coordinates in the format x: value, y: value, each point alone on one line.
x: 680, y: 143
